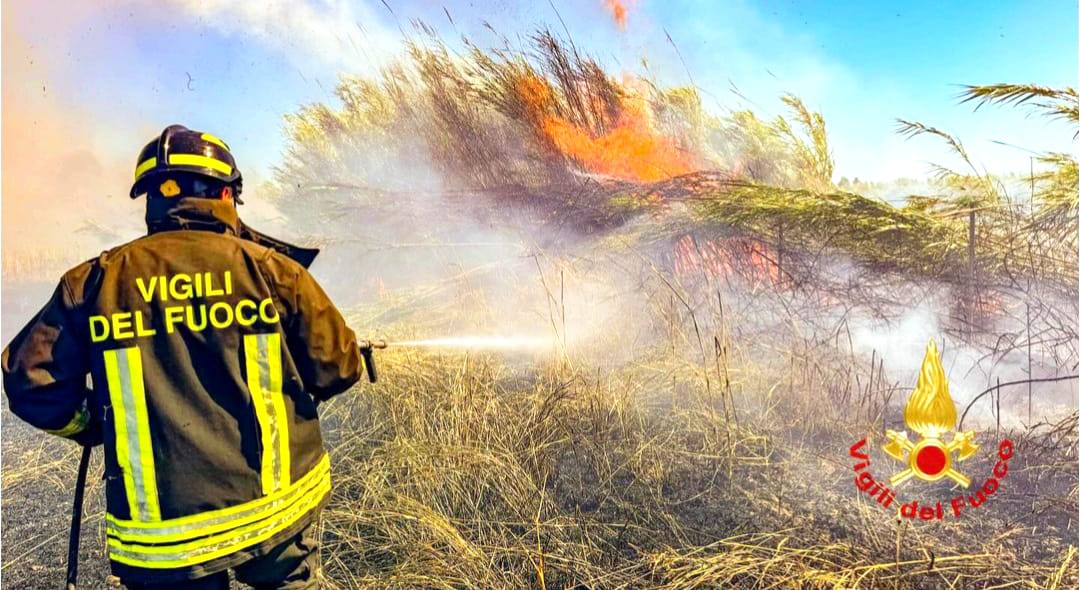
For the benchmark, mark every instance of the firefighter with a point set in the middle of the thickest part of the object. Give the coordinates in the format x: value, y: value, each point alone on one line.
x: 209, y: 346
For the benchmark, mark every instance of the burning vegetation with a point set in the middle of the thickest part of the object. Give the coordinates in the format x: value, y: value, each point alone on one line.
x: 709, y: 319
x: 707, y: 294
x: 630, y: 148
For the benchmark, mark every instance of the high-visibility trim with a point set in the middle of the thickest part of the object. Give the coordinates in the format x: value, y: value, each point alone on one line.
x: 199, y: 160
x: 262, y: 355
x: 214, y: 546
x: 207, y: 523
x: 144, y: 167
x: 78, y: 424
x: 214, y: 139
x: 134, y: 450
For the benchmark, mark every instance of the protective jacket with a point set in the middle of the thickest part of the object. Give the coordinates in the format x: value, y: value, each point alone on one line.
x: 207, y: 354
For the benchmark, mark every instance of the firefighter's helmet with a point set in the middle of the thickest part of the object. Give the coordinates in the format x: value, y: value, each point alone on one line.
x: 181, y: 150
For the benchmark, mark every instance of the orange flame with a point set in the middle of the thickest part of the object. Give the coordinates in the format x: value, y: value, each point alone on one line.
x: 632, y: 149
x: 534, y: 93
x: 619, y: 10
x: 930, y: 410
x: 745, y: 257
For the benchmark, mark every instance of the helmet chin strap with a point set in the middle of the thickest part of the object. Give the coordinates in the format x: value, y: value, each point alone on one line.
x: 234, y: 195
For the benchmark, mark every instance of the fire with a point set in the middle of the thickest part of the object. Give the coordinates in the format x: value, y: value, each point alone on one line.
x: 619, y: 10
x: 930, y: 410
x: 749, y: 258
x: 631, y: 149
x: 535, y: 94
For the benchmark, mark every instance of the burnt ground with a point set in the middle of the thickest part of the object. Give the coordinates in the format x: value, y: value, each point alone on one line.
x: 38, y: 483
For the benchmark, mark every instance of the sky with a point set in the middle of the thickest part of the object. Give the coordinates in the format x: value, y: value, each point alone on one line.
x: 85, y: 85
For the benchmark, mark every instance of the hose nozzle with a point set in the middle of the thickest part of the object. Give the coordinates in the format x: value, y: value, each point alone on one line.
x: 371, y: 344
x: 366, y: 347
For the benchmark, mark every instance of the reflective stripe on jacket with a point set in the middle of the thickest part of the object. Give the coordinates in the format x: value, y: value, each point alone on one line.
x: 207, y: 354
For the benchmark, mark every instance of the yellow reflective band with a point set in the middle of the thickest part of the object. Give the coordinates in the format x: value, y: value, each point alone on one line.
x: 144, y: 166
x: 209, y: 548
x: 146, y: 449
x: 262, y: 355
x: 273, y: 354
x: 208, y: 523
x: 197, y: 160
x: 134, y: 453
x: 214, y: 139
x: 78, y: 424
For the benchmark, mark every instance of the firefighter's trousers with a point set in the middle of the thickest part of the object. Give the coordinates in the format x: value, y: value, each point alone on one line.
x: 292, y: 565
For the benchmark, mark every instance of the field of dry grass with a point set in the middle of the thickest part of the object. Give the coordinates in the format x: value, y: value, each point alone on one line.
x: 661, y: 470
x: 462, y: 473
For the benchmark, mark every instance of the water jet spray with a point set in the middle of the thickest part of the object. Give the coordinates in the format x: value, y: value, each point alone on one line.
x: 367, y: 347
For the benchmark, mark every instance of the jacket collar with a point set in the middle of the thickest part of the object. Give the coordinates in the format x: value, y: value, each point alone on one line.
x: 192, y: 213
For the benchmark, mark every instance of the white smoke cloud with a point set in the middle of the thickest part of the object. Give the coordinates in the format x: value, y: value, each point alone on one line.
x: 344, y: 35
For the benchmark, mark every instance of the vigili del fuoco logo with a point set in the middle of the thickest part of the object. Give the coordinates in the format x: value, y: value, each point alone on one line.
x: 930, y: 414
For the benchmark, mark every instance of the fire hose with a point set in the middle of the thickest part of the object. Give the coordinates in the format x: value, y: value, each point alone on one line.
x: 367, y: 348
x: 76, y: 518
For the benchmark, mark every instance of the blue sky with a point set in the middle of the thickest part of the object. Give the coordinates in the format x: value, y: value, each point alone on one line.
x: 114, y: 73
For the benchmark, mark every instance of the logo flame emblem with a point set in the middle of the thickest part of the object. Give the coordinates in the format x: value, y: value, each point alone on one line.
x: 930, y: 412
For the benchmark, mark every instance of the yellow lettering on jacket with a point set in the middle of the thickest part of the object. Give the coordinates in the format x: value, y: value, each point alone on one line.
x: 180, y: 286
x: 121, y: 325
x: 147, y: 291
x: 218, y: 292
x: 99, y: 328
x: 196, y: 326
x: 219, y: 320
x: 194, y: 315
x: 142, y: 331
x: 240, y: 319
x: 266, y: 317
x: 173, y: 315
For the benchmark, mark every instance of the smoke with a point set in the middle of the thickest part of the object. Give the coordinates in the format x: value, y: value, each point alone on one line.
x: 63, y: 185
x: 971, y: 363
x: 343, y: 34
x: 75, y: 116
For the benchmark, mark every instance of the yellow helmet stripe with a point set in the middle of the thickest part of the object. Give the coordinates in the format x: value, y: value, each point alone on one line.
x: 197, y: 160
x: 214, y: 139
x: 144, y: 167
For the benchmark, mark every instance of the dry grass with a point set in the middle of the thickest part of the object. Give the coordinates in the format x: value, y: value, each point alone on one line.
x: 460, y: 471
